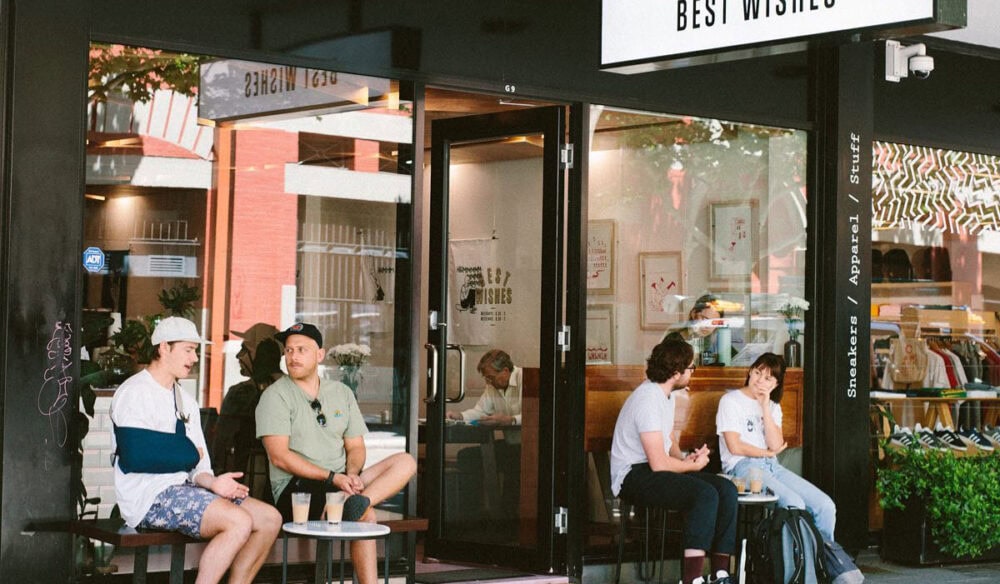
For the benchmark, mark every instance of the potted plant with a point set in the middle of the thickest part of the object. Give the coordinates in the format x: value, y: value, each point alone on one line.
x: 939, y: 506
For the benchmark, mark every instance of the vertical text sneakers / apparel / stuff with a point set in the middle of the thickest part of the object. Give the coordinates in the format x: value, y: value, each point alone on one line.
x: 974, y: 438
x: 903, y: 437
x: 949, y: 437
x: 927, y: 438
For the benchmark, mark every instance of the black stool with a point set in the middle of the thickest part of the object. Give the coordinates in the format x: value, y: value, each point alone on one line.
x: 646, y: 569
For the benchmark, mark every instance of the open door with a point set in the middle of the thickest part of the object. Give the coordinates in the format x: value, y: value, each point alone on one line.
x: 496, y: 276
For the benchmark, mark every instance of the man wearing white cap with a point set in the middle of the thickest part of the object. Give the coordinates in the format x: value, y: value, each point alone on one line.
x: 192, y: 501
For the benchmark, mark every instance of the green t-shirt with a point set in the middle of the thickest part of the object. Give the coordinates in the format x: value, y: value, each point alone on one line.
x: 284, y: 410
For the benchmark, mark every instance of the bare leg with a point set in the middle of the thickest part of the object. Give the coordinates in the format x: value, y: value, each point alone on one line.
x: 388, y: 477
x: 266, y: 524
x: 382, y: 480
x: 228, y: 527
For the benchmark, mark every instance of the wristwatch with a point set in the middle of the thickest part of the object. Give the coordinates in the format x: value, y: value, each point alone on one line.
x: 329, y: 479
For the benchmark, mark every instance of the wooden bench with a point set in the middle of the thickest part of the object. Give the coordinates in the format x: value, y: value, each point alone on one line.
x: 608, y: 386
x: 115, y: 532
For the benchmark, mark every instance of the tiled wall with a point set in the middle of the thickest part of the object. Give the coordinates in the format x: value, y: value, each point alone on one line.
x: 98, y: 476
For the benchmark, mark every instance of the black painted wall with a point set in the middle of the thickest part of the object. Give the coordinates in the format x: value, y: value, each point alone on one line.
x: 544, y: 49
x: 45, y: 68
x: 838, y: 278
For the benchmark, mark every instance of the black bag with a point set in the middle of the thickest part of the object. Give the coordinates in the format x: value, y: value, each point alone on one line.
x: 150, y: 451
x: 839, y: 566
x: 787, y: 549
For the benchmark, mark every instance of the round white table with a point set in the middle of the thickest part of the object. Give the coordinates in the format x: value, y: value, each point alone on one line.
x: 325, y: 534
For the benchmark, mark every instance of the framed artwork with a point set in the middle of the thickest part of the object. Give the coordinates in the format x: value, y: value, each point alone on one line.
x: 661, y: 288
x: 600, y: 334
x: 734, y: 239
x: 601, y: 256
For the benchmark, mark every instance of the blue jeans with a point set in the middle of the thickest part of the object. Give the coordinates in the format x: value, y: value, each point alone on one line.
x: 793, y: 491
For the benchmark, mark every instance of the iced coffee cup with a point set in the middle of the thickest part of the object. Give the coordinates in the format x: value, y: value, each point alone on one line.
x: 334, y: 510
x: 300, y: 507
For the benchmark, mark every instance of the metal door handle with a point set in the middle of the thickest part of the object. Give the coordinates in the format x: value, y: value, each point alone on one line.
x: 432, y: 373
x: 461, y: 375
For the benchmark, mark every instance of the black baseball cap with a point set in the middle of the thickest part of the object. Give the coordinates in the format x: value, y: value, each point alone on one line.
x: 301, y: 328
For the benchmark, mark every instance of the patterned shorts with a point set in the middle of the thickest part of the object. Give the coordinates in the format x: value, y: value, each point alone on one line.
x: 180, y: 508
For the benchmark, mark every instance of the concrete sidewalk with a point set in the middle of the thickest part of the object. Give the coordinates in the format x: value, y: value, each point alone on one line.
x: 878, y: 572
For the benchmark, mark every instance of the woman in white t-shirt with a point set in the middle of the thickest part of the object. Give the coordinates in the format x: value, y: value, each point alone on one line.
x: 749, y: 426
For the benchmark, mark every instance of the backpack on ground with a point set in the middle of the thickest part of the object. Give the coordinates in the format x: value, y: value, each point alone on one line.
x: 787, y: 549
x: 839, y: 566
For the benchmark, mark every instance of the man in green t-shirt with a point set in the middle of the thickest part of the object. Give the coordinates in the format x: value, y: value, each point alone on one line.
x: 313, y: 432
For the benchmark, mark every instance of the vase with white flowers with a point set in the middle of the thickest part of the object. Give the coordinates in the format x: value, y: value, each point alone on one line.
x: 350, y: 357
x: 793, y: 310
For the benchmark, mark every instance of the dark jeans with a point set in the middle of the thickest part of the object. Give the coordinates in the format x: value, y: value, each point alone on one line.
x: 317, y: 502
x: 708, y: 502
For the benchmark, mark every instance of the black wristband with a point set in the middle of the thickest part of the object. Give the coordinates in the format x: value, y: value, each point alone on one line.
x: 329, y: 479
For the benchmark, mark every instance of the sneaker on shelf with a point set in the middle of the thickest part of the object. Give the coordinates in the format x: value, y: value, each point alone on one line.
x: 927, y: 438
x: 992, y: 433
x: 949, y: 437
x: 721, y: 577
x: 974, y: 438
x: 903, y: 437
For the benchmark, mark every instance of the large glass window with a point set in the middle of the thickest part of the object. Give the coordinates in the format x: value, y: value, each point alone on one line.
x: 697, y: 228
x: 246, y: 197
x: 935, y: 264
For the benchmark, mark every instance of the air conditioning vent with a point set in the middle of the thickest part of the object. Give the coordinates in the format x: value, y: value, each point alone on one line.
x: 163, y: 266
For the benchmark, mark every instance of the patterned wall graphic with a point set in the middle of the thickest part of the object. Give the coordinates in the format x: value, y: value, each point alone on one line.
x: 945, y: 190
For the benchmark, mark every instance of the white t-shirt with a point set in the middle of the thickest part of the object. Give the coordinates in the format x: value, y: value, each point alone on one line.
x: 141, y: 402
x: 742, y: 414
x: 646, y: 410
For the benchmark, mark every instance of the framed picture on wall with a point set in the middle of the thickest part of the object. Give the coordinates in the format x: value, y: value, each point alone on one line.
x: 600, y: 334
x: 734, y: 239
x: 601, y: 256
x: 661, y: 288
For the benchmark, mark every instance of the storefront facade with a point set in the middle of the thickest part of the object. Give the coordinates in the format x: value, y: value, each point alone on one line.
x: 661, y: 163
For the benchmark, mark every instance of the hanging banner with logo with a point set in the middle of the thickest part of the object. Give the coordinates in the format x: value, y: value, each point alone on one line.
x: 480, y: 291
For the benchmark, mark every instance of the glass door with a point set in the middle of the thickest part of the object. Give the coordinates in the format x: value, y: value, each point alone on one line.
x: 495, y: 294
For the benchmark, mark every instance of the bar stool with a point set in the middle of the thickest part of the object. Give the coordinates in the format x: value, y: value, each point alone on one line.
x: 646, y: 569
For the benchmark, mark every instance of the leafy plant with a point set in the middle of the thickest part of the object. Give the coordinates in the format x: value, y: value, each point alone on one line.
x: 959, y: 494
x: 180, y: 300
x: 134, y: 338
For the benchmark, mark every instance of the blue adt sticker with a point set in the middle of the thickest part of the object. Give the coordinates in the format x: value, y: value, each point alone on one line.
x: 93, y: 259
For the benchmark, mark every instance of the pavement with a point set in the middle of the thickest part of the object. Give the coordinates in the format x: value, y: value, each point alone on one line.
x: 877, y: 571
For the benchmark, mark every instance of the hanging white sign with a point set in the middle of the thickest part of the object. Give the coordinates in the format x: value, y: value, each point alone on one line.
x: 232, y: 89
x: 642, y: 30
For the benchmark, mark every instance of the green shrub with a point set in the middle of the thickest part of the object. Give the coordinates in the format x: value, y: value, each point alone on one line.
x: 961, y: 495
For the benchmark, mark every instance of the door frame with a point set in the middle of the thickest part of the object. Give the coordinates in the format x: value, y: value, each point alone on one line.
x: 551, y: 121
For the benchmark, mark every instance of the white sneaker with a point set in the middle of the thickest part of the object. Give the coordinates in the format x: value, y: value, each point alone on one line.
x: 721, y: 577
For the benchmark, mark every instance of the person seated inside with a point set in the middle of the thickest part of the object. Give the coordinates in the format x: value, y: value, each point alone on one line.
x: 193, y: 501
x: 648, y: 467
x: 313, y: 431
x: 500, y: 405
x: 749, y: 426
x: 235, y: 432
x: 701, y: 328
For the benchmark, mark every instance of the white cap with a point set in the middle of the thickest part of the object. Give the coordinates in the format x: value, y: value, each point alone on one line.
x: 175, y: 328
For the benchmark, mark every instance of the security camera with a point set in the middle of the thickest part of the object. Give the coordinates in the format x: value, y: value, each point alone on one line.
x: 900, y: 61
x: 921, y: 66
